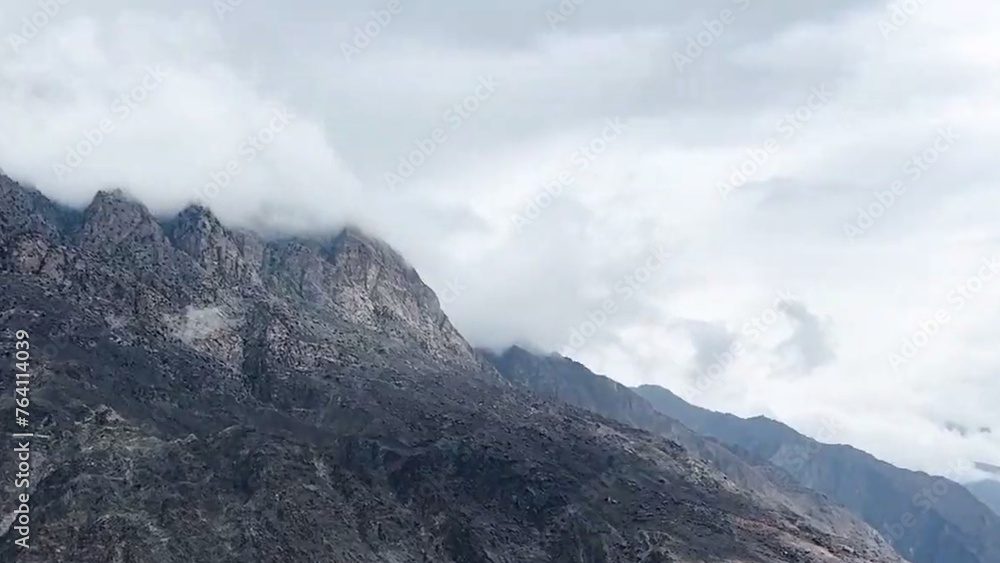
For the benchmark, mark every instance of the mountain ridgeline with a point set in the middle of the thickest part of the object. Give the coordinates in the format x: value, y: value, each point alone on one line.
x: 928, y: 519
x: 205, y: 394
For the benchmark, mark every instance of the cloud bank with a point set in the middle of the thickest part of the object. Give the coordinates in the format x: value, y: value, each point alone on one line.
x: 838, y: 152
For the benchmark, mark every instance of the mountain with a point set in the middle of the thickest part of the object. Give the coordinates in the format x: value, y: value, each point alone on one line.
x: 988, y: 492
x: 928, y: 519
x: 562, y: 379
x: 205, y: 394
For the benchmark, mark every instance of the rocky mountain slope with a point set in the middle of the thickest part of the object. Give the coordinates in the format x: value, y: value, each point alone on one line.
x: 560, y: 378
x: 928, y: 519
x: 201, y: 394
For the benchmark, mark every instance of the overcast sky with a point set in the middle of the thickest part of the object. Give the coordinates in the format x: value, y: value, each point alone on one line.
x: 755, y: 292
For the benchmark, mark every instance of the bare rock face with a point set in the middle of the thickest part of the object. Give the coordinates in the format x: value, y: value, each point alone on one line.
x: 233, y: 257
x: 201, y: 394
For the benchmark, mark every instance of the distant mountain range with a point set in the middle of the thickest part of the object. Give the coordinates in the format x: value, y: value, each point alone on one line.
x: 927, y: 519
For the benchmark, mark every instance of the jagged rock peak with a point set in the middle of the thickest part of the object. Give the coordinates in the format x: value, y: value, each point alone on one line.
x: 24, y: 209
x: 353, y: 238
x: 529, y: 351
x: 116, y: 197
x: 233, y: 254
x: 110, y: 207
x: 114, y: 217
x: 198, y: 214
x: 195, y: 228
x: 526, y: 355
